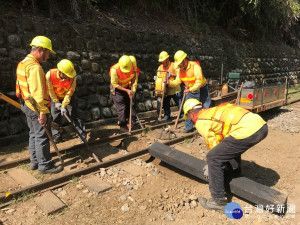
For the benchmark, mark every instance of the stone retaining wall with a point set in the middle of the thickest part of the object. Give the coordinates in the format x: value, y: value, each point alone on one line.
x: 94, y: 48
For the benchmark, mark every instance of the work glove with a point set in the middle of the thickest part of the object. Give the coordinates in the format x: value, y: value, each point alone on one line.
x: 205, y: 172
x: 63, y: 111
x: 58, y: 105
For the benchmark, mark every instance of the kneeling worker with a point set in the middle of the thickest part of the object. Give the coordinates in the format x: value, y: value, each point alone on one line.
x: 228, y: 130
x: 61, y: 84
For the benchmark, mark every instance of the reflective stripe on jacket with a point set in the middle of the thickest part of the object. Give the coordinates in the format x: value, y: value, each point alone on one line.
x: 188, y: 76
x: 22, y: 74
x: 30, y: 81
x: 124, y: 78
x: 217, y: 123
x: 60, y: 87
x: 171, y: 70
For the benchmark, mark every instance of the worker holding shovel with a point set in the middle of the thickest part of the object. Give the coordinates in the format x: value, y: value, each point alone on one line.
x: 190, y: 73
x: 31, y: 89
x: 123, y: 76
x: 61, y: 84
x: 165, y: 94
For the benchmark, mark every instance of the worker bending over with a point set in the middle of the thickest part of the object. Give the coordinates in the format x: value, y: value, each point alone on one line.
x: 30, y: 83
x: 190, y: 73
x: 124, y: 78
x: 228, y: 130
x: 61, y: 84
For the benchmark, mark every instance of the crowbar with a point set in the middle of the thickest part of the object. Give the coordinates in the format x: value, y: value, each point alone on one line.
x: 33, y: 103
x: 82, y: 138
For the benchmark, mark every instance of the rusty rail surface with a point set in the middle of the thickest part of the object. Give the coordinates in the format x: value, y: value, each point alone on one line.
x: 62, y: 179
x: 14, y: 163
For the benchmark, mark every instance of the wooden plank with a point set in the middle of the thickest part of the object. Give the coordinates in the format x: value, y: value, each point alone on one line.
x: 49, y: 202
x: 241, y: 186
x: 96, y: 184
x: 22, y: 177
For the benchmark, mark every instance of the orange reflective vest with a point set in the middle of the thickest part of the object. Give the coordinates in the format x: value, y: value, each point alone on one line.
x: 188, y: 76
x: 227, y: 114
x: 124, y: 78
x: 22, y: 86
x: 60, y: 87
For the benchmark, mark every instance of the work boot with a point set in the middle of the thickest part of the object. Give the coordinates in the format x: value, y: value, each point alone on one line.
x: 217, y: 204
x: 165, y: 119
x: 125, y: 129
x: 186, y: 131
x: 52, y: 170
x: 34, y: 166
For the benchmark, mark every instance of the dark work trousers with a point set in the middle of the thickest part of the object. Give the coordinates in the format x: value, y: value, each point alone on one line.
x: 39, y: 146
x: 166, y: 104
x: 71, y: 111
x: 203, y: 96
x: 227, y: 151
x: 122, y: 104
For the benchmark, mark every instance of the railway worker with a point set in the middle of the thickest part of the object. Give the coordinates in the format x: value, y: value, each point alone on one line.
x: 61, y: 85
x: 171, y: 93
x: 123, y: 79
x: 228, y: 130
x: 31, y: 82
x: 190, y: 73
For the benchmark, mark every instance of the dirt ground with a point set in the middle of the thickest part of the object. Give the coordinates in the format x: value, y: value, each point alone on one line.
x: 155, y: 193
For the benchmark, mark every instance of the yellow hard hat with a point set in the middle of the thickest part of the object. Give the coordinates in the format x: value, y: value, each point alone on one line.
x: 66, y: 66
x: 178, y: 57
x: 188, y: 105
x: 125, y: 64
x: 163, y: 56
x: 133, y: 60
x: 42, y: 41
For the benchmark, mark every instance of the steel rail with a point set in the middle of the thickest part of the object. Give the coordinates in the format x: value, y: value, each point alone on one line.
x: 58, y: 180
x: 14, y: 163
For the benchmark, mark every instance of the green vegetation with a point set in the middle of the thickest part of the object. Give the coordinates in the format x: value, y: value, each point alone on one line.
x: 147, y: 130
x: 245, y: 19
x: 75, y: 180
x: 188, y: 140
x: 24, y: 166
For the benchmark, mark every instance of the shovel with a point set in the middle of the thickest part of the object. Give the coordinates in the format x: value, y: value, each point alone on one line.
x: 181, y: 105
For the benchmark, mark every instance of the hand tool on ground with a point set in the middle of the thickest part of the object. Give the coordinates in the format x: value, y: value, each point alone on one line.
x: 131, y: 106
x: 18, y: 105
x: 130, y: 113
x: 82, y: 138
x: 33, y: 103
x: 181, y: 105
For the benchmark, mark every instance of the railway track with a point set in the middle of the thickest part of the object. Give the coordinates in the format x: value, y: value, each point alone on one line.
x: 60, y: 180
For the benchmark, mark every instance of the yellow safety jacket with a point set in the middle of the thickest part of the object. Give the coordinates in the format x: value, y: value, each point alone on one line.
x: 60, y: 90
x: 118, y: 78
x: 192, y: 76
x: 161, y: 75
x: 30, y: 81
x: 214, y: 124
